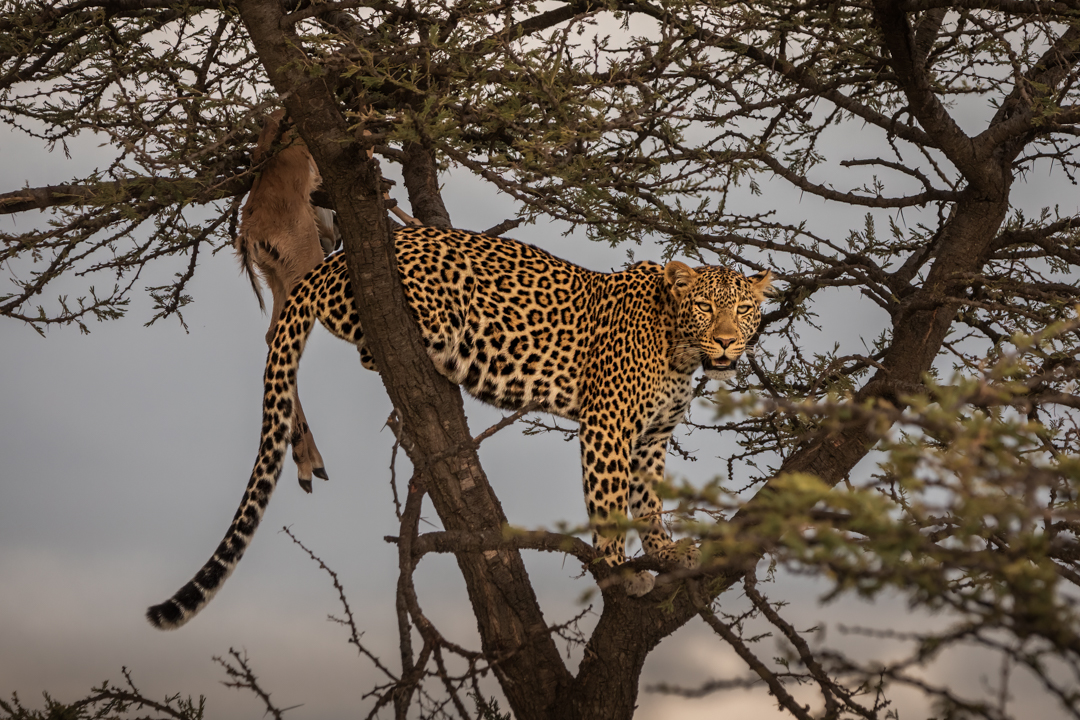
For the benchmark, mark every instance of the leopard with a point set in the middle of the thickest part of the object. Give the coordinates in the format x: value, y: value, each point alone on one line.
x: 517, y: 327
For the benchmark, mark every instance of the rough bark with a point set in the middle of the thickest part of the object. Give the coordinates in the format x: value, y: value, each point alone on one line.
x: 533, y: 677
x: 421, y: 174
x: 512, y: 628
x: 628, y: 631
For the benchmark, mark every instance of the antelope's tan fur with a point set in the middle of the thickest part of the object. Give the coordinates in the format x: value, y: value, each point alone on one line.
x: 281, y: 237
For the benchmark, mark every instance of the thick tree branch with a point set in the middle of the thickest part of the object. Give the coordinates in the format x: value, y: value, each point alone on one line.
x: 509, y: 618
x: 119, y: 191
x: 925, y: 105
x: 420, y: 171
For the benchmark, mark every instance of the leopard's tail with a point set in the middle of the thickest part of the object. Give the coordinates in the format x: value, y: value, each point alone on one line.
x: 278, y: 419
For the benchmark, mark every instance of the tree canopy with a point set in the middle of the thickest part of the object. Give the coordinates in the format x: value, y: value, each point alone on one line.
x: 940, y: 461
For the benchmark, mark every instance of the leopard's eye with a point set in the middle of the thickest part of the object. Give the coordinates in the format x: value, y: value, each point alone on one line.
x: 745, y: 308
x: 704, y: 307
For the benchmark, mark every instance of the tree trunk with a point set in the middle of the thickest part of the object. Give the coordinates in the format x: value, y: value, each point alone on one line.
x: 512, y: 628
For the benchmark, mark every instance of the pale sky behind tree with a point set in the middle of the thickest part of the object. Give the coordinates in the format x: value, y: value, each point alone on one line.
x: 123, y: 455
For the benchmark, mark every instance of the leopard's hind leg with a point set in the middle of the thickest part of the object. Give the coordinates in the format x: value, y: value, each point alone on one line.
x: 336, y: 308
x: 306, y: 455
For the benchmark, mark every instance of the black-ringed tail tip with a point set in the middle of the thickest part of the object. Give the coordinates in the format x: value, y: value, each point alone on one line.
x: 193, y: 597
x: 512, y: 325
x: 166, y: 616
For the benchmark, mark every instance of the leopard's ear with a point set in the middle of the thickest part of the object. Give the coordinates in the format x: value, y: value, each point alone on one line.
x: 678, y: 277
x: 761, y: 284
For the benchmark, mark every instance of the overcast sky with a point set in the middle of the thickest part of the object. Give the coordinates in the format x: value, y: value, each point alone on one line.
x: 124, y: 453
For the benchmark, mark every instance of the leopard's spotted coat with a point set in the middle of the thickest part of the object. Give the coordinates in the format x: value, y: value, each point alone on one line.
x: 516, y: 326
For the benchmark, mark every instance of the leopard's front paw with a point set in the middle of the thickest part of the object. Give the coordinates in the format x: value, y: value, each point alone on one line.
x: 685, y: 553
x: 690, y: 557
x: 640, y: 583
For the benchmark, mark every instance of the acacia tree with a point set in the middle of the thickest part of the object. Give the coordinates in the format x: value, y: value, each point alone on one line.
x: 634, y: 121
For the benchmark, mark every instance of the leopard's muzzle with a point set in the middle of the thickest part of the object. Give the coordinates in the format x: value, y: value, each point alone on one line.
x: 722, y: 368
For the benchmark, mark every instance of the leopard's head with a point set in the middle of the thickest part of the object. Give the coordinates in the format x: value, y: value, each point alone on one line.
x: 717, y: 313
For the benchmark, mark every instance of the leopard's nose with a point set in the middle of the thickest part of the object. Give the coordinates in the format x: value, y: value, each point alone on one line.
x: 724, y: 342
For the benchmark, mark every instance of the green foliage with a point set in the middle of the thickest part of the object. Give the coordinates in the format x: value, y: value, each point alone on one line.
x: 970, y: 516
x: 934, y: 458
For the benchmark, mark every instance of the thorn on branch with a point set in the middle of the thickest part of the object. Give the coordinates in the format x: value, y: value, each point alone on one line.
x: 244, y: 678
x: 349, y: 621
